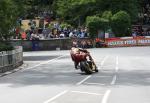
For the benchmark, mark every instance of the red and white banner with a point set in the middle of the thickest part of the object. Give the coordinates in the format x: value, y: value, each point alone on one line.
x: 128, y: 41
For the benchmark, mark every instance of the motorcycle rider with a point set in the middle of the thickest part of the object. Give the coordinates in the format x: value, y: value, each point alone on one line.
x: 78, y: 55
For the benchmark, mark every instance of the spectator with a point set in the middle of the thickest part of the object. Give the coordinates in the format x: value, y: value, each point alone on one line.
x: 62, y: 35
x: 50, y: 35
x: 34, y: 36
x: 71, y: 34
x: 24, y: 36
x: 89, y: 44
x: 134, y: 34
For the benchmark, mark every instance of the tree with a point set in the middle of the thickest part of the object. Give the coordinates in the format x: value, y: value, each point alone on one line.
x: 8, y: 16
x: 92, y: 23
x: 95, y: 23
x: 130, y: 6
x: 76, y: 11
x: 121, y: 23
x: 107, y: 15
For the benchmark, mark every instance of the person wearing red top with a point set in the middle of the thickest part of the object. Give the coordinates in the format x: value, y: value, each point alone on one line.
x: 97, y: 40
x: 78, y: 55
x: 24, y: 35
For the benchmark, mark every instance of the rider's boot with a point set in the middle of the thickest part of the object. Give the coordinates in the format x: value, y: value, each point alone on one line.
x: 76, y: 65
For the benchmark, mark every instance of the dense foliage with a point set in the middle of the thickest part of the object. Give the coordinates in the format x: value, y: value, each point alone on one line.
x: 5, y: 46
x: 73, y: 12
x: 9, y: 11
x: 76, y: 12
x: 8, y: 15
x: 121, y: 23
x: 95, y: 23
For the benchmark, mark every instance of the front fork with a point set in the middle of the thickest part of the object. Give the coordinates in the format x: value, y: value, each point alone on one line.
x: 91, y: 63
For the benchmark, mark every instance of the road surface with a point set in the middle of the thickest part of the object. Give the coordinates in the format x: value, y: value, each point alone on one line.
x: 50, y: 77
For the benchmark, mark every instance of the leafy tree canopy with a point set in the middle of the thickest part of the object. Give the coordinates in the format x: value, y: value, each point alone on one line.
x: 121, y: 23
x: 9, y: 12
x: 75, y: 10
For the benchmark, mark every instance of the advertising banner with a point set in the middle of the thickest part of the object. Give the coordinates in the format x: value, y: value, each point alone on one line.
x: 130, y: 41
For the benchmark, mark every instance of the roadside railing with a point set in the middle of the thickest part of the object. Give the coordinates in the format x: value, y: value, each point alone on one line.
x: 11, y: 59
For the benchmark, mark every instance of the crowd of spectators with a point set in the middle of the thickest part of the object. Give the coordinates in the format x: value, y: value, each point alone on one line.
x: 143, y: 29
x: 54, y: 32
x: 146, y: 12
x: 138, y: 30
x: 52, y: 29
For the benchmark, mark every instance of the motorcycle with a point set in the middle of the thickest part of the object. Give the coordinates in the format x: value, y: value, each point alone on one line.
x: 84, y: 60
x: 88, y: 66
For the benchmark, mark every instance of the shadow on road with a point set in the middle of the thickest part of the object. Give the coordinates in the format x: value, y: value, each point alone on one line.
x: 71, y: 77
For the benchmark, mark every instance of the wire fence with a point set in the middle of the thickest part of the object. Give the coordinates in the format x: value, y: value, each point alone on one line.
x: 11, y: 58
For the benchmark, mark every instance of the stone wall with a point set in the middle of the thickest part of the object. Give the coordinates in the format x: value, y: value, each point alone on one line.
x: 9, y: 60
x: 51, y: 44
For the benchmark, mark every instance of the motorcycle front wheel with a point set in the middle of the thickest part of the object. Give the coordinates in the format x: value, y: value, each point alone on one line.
x: 85, y: 66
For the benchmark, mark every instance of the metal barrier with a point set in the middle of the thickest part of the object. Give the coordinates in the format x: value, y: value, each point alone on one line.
x: 11, y: 58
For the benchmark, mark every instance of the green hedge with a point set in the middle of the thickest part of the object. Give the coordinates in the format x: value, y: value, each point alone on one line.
x: 4, y: 46
x: 121, y: 24
x: 95, y: 23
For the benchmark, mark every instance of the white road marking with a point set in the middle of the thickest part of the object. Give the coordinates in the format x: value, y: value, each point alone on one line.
x: 117, y: 64
x: 105, y: 97
x: 44, y: 62
x: 102, y: 63
x: 114, y: 80
x: 58, y: 95
x: 93, y: 83
x: 86, y: 93
x: 79, y: 83
x: 116, y: 68
x: 117, y: 60
x: 6, y: 73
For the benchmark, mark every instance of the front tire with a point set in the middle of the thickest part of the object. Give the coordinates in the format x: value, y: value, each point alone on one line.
x: 85, y: 66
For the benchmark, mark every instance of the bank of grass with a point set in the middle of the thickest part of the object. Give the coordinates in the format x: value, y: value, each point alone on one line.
x: 5, y: 46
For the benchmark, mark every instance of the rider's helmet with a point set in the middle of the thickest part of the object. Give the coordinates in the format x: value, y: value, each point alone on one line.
x: 75, y: 44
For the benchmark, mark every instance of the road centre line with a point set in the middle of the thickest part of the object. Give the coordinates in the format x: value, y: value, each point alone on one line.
x: 107, y: 93
x: 117, y: 60
x: 114, y: 80
x: 105, y: 97
x: 86, y: 93
x: 79, y: 83
x: 44, y: 62
x: 104, y: 60
x: 58, y: 95
x: 117, y: 64
x: 116, y: 69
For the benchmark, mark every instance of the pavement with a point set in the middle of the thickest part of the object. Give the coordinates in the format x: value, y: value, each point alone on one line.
x: 50, y: 77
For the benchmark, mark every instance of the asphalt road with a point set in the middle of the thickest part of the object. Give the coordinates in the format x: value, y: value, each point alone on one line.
x: 50, y: 77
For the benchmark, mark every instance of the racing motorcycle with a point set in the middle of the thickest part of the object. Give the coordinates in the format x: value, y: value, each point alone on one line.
x: 84, y: 60
x: 88, y: 66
